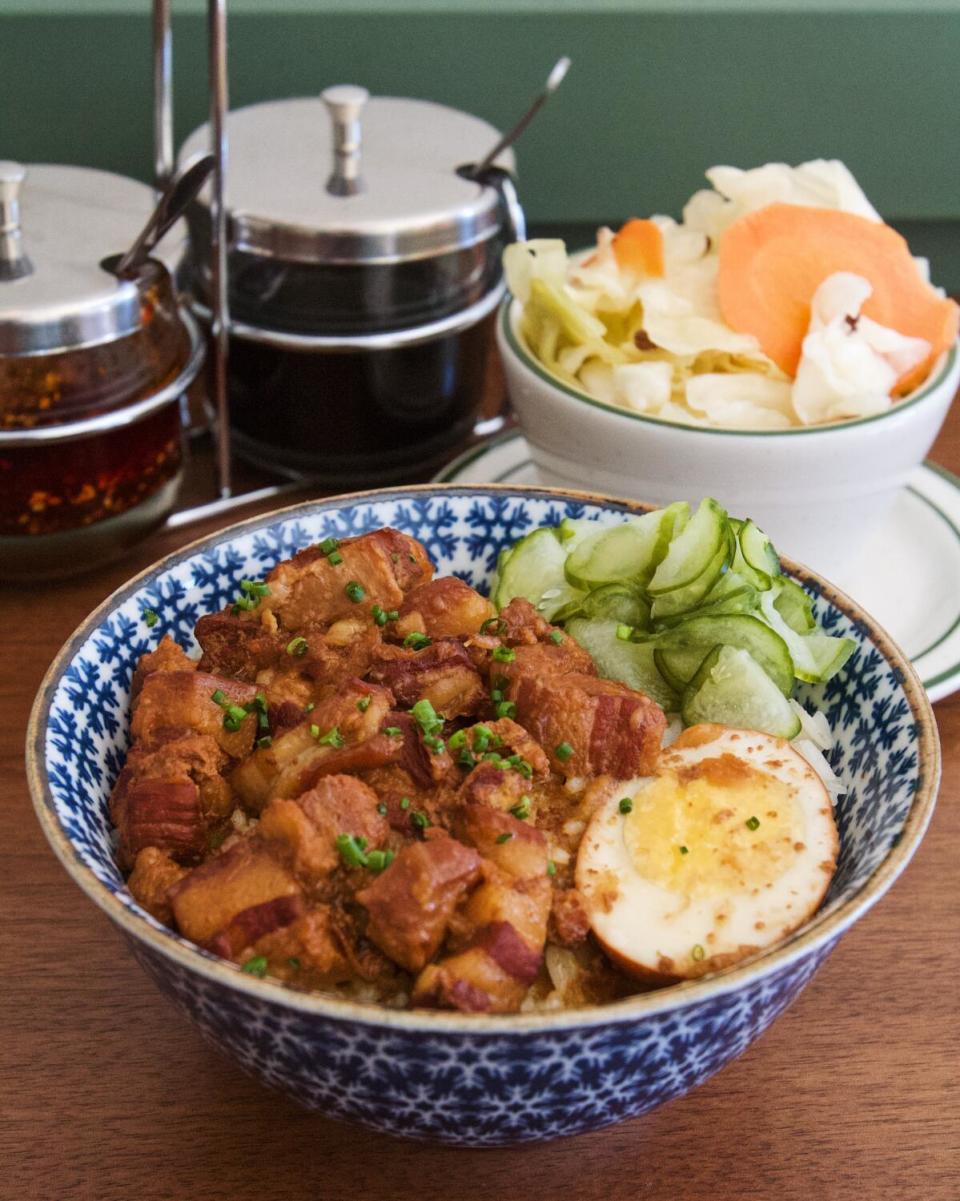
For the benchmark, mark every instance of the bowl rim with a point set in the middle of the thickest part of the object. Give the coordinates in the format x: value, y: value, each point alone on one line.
x: 939, y: 374
x: 818, y: 933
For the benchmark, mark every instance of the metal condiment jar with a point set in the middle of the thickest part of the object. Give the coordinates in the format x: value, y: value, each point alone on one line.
x: 364, y: 267
x: 92, y: 368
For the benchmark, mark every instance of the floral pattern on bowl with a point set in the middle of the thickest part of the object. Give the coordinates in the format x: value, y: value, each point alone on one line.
x: 453, y: 1078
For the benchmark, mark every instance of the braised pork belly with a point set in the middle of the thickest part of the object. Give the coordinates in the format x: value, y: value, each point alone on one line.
x: 366, y: 783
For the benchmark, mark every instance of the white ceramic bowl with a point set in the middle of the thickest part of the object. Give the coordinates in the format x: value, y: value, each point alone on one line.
x: 818, y: 492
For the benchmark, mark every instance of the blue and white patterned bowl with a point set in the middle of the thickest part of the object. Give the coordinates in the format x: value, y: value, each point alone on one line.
x: 462, y: 1079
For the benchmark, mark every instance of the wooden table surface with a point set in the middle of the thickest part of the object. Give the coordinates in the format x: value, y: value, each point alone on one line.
x: 107, y: 1092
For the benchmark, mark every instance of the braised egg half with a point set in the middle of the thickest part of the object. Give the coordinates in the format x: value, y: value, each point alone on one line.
x: 729, y: 847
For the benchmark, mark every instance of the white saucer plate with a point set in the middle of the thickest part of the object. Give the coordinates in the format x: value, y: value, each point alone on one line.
x: 907, y: 576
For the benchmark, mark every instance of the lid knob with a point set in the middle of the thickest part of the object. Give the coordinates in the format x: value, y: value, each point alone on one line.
x: 345, y: 104
x: 14, y: 264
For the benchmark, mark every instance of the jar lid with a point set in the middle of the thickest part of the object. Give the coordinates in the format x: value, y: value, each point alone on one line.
x: 57, y: 224
x: 343, y: 178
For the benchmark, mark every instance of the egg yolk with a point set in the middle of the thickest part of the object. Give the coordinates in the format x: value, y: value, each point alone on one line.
x: 716, y: 826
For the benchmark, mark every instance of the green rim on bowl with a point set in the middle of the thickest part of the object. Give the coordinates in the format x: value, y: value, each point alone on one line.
x: 940, y: 371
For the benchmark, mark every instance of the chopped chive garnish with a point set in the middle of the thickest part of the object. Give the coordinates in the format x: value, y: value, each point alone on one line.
x: 433, y: 743
x: 264, y: 742
x: 494, y: 625
x: 297, y: 647
x: 420, y: 820
x: 492, y: 757
x: 393, y: 731
x: 504, y: 654
x: 335, y: 558
x: 393, y: 614
x: 557, y: 636
x: 466, y: 759
x: 518, y: 763
x: 254, y: 588
x: 363, y: 704
x: 355, y: 592
x: 521, y: 809
x: 333, y: 738
x: 457, y: 740
x: 698, y: 952
x: 416, y: 641
x: 382, y: 809
x: 496, y: 695
x: 626, y: 805
x: 218, y: 697
x: 624, y: 632
x: 329, y: 545
x: 378, y: 860
x: 563, y: 751
x: 405, y: 802
x: 551, y: 868
x: 481, y: 738
x: 684, y: 850
x: 150, y: 616
x: 504, y: 837
x: 314, y: 731
x: 426, y: 717
x: 378, y: 615
x: 352, y: 849
x: 505, y: 709
x: 753, y: 823
x: 309, y: 706
x: 256, y: 966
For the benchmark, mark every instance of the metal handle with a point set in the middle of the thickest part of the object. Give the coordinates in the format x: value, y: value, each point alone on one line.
x: 14, y: 264
x: 162, y: 95
x: 345, y: 103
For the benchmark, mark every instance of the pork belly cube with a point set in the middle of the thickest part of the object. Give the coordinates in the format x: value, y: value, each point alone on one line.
x: 521, y: 624
x: 488, y: 784
x: 251, y: 924
x: 295, y: 756
x: 160, y: 813
x: 589, y: 726
x: 197, y: 757
x: 308, y: 589
x: 210, y: 897
x: 307, y: 953
x: 507, y: 738
x: 500, y: 933
x: 237, y: 645
x: 443, y: 608
x: 490, y: 976
x: 410, y: 903
x: 441, y: 673
x: 306, y: 830
x: 176, y: 703
x: 154, y: 874
x: 168, y: 656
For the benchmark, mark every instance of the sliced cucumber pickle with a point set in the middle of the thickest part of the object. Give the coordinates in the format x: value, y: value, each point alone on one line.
x: 693, y: 551
x: 741, y: 630
x: 794, y: 605
x: 678, y: 667
x: 630, y: 662
x: 627, y: 552
x: 732, y: 689
x: 816, y: 656
x: 534, y: 569
x: 678, y: 601
x: 756, y: 559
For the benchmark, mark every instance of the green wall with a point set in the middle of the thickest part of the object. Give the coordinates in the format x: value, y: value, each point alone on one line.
x: 657, y: 92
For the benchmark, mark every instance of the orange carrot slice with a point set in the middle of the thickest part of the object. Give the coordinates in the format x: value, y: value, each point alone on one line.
x: 638, y: 247
x: 773, y: 260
